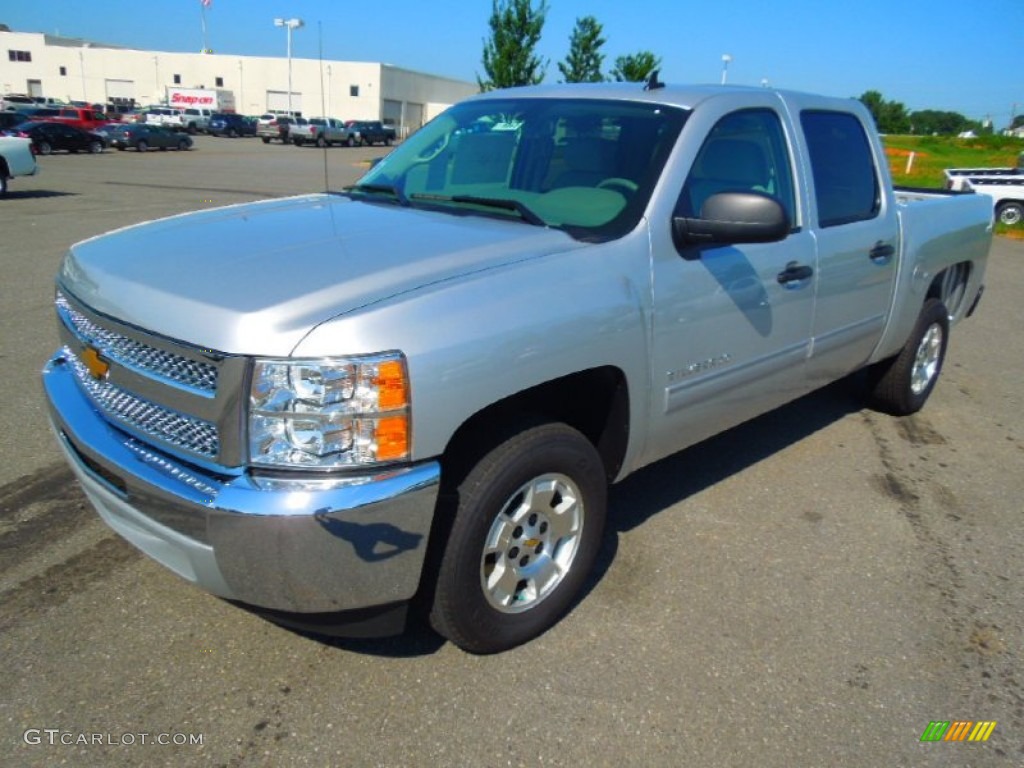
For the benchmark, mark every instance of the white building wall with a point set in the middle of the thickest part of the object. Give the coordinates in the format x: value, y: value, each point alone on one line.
x: 76, y: 70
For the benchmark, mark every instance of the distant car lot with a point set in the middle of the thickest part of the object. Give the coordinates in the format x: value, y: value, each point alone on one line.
x: 812, y: 589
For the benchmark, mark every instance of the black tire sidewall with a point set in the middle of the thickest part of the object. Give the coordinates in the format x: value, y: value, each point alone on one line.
x: 892, y: 391
x: 461, y: 610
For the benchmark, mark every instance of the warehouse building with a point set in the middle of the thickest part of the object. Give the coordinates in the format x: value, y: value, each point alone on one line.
x: 72, y: 69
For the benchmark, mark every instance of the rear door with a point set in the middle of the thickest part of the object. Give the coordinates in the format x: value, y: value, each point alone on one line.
x: 857, y: 231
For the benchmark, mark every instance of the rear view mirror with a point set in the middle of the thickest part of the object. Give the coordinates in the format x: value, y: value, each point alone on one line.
x: 733, y: 218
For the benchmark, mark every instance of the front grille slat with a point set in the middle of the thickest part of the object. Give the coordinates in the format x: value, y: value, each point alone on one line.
x: 137, y: 355
x: 177, y: 429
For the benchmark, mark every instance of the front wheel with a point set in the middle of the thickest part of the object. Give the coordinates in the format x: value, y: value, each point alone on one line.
x: 901, y: 385
x: 321, y: 142
x: 1010, y: 214
x: 526, y: 531
x: 142, y: 146
x: 183, y: 145
x: 45, y: 148
x: 95, y: 147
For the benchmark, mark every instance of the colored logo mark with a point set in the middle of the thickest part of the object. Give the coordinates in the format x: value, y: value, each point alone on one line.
x: 958, y: 730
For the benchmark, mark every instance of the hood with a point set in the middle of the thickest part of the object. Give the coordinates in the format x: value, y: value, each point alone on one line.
x: 256, y: 278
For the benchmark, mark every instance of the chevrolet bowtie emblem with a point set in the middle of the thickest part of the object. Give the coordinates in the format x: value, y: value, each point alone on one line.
x: 98, y: 367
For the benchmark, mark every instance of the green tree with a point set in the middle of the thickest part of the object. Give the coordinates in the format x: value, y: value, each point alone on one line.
x: 583, y: 64
x: 635, y: 67
x: 927, y: 122
x: 509, y: 59
x: 890, y: 116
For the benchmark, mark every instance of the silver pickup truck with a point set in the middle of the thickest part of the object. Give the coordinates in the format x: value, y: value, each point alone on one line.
x: 415, y: 392
x: 322, y: 131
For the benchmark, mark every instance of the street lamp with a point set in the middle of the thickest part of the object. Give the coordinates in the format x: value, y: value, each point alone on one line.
x: 726, y: 58
x: 289, y: 24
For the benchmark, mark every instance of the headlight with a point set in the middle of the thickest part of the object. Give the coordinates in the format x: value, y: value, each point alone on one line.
x: 327, y: 414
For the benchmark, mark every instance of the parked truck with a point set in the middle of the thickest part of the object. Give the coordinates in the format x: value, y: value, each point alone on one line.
x: 322, y: 131
x: 1005, y: 187
x: 333, y: 407
x: 16, y: 159
x: 370, y: 132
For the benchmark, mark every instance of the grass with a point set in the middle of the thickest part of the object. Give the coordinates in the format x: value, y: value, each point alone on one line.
x: 933, y: 154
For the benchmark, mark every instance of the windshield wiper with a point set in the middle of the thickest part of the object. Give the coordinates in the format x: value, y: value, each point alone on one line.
x: 488, y: 202
x: 386, y: 189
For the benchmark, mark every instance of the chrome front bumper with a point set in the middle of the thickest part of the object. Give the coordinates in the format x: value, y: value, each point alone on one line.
x: 282, y: 544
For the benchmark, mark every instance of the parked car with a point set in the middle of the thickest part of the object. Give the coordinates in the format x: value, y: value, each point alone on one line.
x: 10, y: 119
x: 278, y: 128
x: 409, y: 400
x: 86, y: 118
x: 16, y: 159
x: 145, y: 136
x: 231, y: 125
x: 50, y: 137
x: 196, y: 119
x: 369, y: 132
x: 322, y: 131
x: 169, y: 116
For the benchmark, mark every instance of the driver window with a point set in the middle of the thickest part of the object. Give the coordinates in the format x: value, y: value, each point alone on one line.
x: 745, y: 152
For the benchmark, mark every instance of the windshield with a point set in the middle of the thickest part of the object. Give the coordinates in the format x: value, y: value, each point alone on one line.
x: 586, y: 166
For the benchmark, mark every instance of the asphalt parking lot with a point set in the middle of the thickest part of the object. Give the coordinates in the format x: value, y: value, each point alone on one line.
x: 810, y: 589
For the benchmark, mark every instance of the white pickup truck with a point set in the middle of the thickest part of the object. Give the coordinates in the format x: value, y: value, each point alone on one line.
x: 16, y: 159
x: 333, y: 407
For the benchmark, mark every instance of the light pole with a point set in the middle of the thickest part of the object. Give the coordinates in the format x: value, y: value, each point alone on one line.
x: 726, y: 58
x: 289, y: 24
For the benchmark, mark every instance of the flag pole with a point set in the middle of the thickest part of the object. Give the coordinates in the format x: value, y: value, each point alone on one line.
x: 202, y: 12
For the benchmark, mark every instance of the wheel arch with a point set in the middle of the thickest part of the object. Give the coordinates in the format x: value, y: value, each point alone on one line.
x: 950, y: 287
x: 595, y: 402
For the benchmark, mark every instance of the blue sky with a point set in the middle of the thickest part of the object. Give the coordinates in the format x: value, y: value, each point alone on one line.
x: 929, y: 54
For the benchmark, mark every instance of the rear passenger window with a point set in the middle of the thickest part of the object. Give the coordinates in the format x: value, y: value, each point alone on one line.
x: 845, y: 183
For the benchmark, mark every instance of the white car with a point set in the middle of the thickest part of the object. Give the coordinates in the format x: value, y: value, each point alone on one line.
x: 16, y: 159
x: 170, y: 116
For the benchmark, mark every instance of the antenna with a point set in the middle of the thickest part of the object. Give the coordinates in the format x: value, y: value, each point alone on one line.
x: 653, y: 83
x: 323, y: 106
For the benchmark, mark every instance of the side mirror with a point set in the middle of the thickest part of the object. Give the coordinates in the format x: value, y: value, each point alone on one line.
x: 733, y: 218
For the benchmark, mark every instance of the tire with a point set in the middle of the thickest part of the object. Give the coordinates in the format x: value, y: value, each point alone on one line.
x: 321, y: 142
x: 387, y: 141
x: 901, y: 385
x: 142, y: 146
x: 3, y: 182
x: 95, y: 147
x: 45, y: 148
x: 526, y: 531
x: 183, y: 146
x: 1010, y: 214
x: 266, y: 139
x: 349, y: 141
x: 232, y: 133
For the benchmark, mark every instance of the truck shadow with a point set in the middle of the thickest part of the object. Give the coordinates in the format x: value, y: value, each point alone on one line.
x: 661, y: 485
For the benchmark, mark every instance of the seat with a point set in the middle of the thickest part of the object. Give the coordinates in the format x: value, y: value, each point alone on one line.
x: 588, y: 161
x: 726, y: 165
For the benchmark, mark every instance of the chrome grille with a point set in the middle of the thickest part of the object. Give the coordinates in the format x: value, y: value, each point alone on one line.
x: 137, y: 355
x: 181, y: 431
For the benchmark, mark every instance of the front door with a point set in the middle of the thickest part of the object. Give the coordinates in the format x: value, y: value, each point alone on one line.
x: 731, y: 328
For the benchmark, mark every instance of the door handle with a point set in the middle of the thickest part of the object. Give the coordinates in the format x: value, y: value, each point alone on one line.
x: 882, y: 252
x: 794, y: 273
